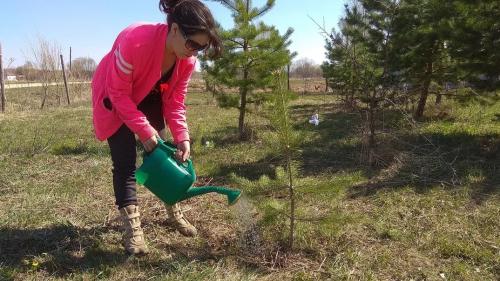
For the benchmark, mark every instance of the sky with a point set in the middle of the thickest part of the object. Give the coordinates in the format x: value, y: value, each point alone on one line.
x: 90, y: 27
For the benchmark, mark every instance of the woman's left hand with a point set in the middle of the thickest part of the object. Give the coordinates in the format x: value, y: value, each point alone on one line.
x: 183, y: 151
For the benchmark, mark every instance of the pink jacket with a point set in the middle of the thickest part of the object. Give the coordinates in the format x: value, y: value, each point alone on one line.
x: 128, y: 73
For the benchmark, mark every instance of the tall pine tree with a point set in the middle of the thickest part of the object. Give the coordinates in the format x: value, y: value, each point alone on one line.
x: 422, y: 30
x: 252, y: 50
x: 475, y: 41
x: 359, y: 62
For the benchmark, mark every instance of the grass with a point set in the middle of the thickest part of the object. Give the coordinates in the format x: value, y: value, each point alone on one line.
x: 428, y: 211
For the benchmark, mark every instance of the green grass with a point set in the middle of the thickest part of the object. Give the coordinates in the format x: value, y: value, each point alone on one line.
x: 428, y: 209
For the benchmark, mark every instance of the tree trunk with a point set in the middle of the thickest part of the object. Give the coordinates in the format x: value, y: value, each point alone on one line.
x: 292, y: 201
x: 44, y: 98
x: 371, y: 126
x: 243, y: 92
x: 425, y: 92
x: 243, y: 105
x: 288, y: 76
x: 439, y: 98
x: 354, y: 72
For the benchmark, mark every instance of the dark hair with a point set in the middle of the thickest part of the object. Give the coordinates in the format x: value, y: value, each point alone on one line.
x: 193, y: 17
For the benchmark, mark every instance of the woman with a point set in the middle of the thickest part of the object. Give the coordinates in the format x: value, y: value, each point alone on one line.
x: 137, y: 87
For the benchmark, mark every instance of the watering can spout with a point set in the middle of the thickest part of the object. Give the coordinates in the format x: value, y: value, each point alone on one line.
x: 232, y: 194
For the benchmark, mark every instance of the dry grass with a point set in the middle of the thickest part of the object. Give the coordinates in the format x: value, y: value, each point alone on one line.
x: 58, y: 221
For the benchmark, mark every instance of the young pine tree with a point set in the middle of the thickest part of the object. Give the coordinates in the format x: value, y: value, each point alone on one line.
x: 287, y: 139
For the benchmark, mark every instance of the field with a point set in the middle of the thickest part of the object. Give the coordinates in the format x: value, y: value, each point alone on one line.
x: 428, y: 211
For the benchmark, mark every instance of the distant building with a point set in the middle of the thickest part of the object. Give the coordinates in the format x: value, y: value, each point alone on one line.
x: 11, y: 78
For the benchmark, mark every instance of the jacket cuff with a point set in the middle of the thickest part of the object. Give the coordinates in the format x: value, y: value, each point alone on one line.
x: 146, y: 133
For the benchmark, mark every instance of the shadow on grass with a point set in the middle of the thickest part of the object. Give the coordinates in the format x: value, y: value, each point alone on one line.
x: 221, y: 137
x: 252, y: 171
x: 449, y: 160
x: 317, y: 156
x: 64, y: 250
x: 336, y: 145
x: 325, y: 153
x: 59, y: 249
x: 497, y: 117
x: 230, y: 135
x: 403, y: 157
x: 304, y: 111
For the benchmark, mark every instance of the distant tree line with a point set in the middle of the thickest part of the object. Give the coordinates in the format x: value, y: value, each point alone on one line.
x: 305, y: 68
x: 81, y: 69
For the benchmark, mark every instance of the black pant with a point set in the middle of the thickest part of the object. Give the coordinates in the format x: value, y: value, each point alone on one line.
x: 122, y: 145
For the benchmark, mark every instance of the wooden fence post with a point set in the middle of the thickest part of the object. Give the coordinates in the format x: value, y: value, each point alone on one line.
x: 70, y: 60
x: 65, y: 81
x: 2, y: 85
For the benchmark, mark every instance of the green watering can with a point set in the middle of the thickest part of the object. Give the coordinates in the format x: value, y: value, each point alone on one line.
x: 172, y: 181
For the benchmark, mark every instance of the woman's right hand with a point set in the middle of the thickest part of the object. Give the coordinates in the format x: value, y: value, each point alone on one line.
x: 150, y: 144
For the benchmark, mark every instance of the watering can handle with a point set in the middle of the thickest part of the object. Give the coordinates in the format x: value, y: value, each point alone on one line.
x: 172, y: 149
x: 168, y: 144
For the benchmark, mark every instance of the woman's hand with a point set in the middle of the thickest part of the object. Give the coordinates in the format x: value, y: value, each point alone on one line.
x: 183, y: 151
x: 150, y: 144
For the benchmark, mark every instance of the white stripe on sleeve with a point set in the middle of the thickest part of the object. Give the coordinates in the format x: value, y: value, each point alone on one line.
x: 122, y: 68
x: 122, y: 60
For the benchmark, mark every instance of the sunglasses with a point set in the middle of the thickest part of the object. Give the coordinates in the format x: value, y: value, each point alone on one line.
x: 191, y: 44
